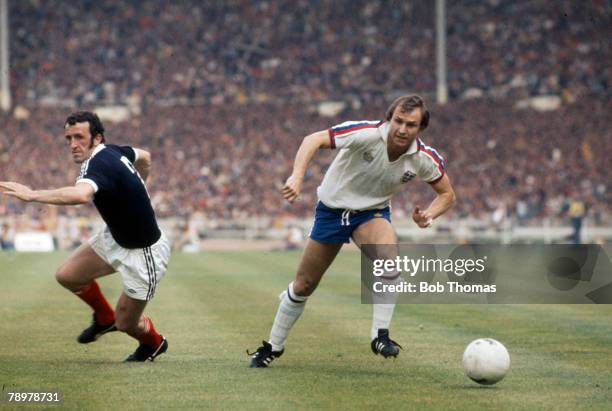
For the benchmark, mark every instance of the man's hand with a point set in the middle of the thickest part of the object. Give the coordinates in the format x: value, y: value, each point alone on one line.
x: 422, y: 218
x: 291, y: 189
x: 17, y: 190
x: 310, y: 144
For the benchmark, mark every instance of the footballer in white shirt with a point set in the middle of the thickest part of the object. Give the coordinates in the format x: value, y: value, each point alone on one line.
x: 375, y: 160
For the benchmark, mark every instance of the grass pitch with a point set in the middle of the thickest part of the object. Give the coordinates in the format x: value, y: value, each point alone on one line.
x: 212, y: 306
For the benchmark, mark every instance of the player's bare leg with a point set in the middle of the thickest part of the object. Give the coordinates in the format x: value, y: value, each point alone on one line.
x: 81, y: 268
x: 315, y: 261
x: 380, y: 231
x: 78, y: 274
x: 129, y: 318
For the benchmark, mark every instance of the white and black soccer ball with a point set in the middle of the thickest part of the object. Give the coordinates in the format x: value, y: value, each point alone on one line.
x: 486, y: 361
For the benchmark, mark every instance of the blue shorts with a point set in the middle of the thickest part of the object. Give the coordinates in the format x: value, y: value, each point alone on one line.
x: 336, y: 225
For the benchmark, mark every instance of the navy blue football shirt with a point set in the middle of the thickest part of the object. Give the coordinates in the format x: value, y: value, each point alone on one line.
x: 121, y: 196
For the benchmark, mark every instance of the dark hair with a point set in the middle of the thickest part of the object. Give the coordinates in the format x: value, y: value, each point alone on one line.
x: 407, y: 104
x: 95, y: 125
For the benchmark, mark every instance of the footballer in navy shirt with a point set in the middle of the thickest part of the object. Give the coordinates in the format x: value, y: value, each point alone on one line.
x: 131, y: 243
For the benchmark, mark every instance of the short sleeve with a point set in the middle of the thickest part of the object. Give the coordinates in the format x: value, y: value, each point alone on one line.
x: 128, y: 152
x: 350, y: 133
x: 94, y: 174
x: 433, y: 166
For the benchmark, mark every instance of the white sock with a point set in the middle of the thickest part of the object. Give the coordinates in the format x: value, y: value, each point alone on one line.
x: 289, y: 310
x: 381, y: 317
x: 382, y: 308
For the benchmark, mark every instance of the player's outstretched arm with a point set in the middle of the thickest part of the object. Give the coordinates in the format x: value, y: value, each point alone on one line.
x: 78, y: 194
x: 142, y: 163
x: 443, y: 201
x: 310, y: 144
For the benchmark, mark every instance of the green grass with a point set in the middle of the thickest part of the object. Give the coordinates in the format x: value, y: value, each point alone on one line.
x: 212, y: 306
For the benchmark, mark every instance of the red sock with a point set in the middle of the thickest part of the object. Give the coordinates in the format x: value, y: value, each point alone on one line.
x: 92, y: 295
x: 149, y: 336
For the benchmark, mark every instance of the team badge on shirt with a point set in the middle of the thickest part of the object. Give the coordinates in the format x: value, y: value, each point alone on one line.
x: 367, y: 156
x: 408, y: 175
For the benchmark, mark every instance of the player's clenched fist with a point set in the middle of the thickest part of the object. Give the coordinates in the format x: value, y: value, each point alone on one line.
x: 291, y: 189
x: 16, y: 190
x: 422, y: 218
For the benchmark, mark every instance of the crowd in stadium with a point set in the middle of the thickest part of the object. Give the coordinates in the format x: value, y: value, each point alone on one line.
x: 161, y: 52
x: 223, y: 92
x: 497, y: 156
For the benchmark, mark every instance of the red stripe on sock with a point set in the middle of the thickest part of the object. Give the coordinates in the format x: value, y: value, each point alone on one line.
x: 92, y: 295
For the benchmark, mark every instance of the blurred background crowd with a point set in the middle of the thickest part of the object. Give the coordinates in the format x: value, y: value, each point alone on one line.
x: 300, y: 51
x: 222, y: 92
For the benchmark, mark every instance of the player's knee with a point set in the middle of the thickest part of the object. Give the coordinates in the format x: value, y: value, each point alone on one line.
x: 384, y: 251
x: 64, y: 276
x: 304, y: 286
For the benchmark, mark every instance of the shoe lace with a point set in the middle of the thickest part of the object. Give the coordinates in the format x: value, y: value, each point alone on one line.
x: 257, y: 352
x: 260, y: 351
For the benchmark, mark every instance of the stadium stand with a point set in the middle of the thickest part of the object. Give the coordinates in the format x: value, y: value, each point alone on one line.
x: 222, y: 93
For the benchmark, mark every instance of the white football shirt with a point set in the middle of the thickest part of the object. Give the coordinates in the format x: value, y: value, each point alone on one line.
x: 361, y: 177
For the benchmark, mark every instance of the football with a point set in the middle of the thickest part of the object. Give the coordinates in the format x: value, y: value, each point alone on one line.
x: 486, y: 361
